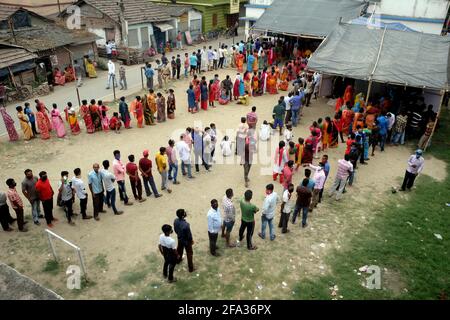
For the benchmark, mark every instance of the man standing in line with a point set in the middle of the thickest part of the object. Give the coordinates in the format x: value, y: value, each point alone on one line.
x: 95, y: 181
x: 123, y: 78
x: 214, y: 226
x: 67, y: 196
x: 248, y: 211
x: 319, y: 178
x: 247, y: 155
x: 268, y: 212
x: 173, y: 162
x: 119, y: 173
x: 145, y: 167
x: 185, y: 241
x: 161, y: 164
x: 286, y: 208
x: 185, y: 156
x: 135, y: 181
x: 29, y: 191
x: 16, y: 204
x: 178, y: 63
x: 80, y: 191
x: 108, y: 180
x: 229, y: 216
x: 149, y: 73
x: 78, y: 73
x: 326, y: 169
x: 303, y: 202
x: 415, y: 166
x: 345, y: 167
x: 278, y: 115
x: 198, y: 150
x: 252, y: 119
x: 383, y: 125
x: 45, y: 193
x: 5, y: 216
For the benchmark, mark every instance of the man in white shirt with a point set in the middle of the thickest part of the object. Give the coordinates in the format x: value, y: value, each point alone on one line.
x: 319, y: 178
x: 108, y: 181
x: 184, y: 153
x: 287, y: 103
x: 345, y: 167
x: 391, y: 121
x: 286, y: 208
x: 207, y: 146
x: 168, y: 249
x: 214, y: 226
x: 111, y: 75
x: 415, y: 166
x: 268, y: 212
x: 108, y: 49
x: 80, y: 191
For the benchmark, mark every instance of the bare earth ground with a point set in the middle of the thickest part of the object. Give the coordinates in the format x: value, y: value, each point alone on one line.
x: 121, y: 251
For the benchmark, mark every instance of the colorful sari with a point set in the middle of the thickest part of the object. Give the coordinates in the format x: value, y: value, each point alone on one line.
x: 148, y: 115
x: 283, y: 85
x: 161, y: 105
x: 96, y: 117
x: 236, y: 85
x: 347, y: 118
x: 325, y: 135
x: 9, y: 124
x: 255, y: 85
x: 69, y: 74
x: 248, y: 84
x: 58, y: 123
x: 240, y: 62
x: 284, y: 74
x: 358, y: 120
x: 104, y: 117
x: 139, y: 112
x: 334, y: 137
x: 47, y: 119
x: 73, y: 122
x: 348, y: 95
x: 59, y: 78
x: 24, y: 124
x: 90, y: 68
x: 262, y: 82
x: 272, y: 83
x: 339, y: 104
x: 86, y: 115
x: 171, y: 107
x: 41, y: 122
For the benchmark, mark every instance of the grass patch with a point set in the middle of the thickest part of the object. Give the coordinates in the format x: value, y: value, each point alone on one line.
x: 101, y: 261
x: 400, y: 240
x: 52, y: 267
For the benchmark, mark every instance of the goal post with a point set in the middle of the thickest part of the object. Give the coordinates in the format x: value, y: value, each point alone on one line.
x: 51, y: 235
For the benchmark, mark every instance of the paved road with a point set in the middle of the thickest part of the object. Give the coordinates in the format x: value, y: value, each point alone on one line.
x: 96, y: 88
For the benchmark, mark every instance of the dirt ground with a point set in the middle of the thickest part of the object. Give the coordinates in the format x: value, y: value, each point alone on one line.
x: 118, y: 244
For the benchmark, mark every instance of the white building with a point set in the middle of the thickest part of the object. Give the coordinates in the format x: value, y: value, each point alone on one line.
x: 253, y: 11
x: 428, y: 16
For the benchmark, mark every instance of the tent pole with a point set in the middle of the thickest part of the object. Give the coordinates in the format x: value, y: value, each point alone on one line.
x: 437, y: 118
x: 369, y: 89
x: 375, y: 65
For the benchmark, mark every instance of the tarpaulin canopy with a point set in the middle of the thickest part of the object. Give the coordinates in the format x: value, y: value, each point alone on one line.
x: 388, y: 56
x: 377, y: 23
x: 307, y: 18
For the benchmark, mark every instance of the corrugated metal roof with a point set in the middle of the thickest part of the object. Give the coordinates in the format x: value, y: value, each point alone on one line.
x: 136, y: 11
x: 11, y: 55
x: 6, y: 11
x: 176, y: 10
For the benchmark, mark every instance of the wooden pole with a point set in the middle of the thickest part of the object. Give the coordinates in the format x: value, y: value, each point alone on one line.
x: 437, y: 118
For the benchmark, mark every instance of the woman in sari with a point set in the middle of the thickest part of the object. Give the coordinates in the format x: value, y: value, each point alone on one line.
x: 255, y: 84
x: 86, y: 115
x: 204, y: 95
x: 236, y: 91
x: 212, y: 88
x: 161, y: 105
x: 151, y: 101
x: 240, y: 62
x: 58, y: 77
x: 146, y: 109
x: 263, y: 81
x: 95, y: 115
x: 139, y: 111
x: 58, y: 122
x: 255, y: 63
x: 360, y: 99
x: 45, y: 111
x: 298, y: 157
x: 347, y: 120
x: 247, y: 82
x: 326, y: 133
x: 224, y: 98
x: 348, y: 95
x: 9, y: 124
x: 283, y: 85
x: 197, y: 92
x: 41, y: 122
x: 69, y: 73
x: 307, y: 156
x: 358, y: 120
x: 261, y: 58
x: 24, y: 124
x: 124, y: 113
x: 171, y: 107
x: 271, y: 56
x: 103, y: 115
x: 272, y: 82
x: 90, y: 68
x: 71, y: 119
x: 336, y: 131
x: 284, y: 72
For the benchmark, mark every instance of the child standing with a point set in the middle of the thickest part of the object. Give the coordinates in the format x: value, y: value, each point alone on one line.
x: 288, y: 135
x: 226, y: 146
x: 168, y: 250
x: 265, y: 131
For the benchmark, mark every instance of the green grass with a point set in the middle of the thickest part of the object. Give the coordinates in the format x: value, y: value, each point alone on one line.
x: 52, y: 267
x: 101, y: 261
x: 401, y: 239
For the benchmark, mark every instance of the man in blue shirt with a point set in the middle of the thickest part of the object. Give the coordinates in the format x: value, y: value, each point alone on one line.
x: 250, y: 61
x: 193, y: 63
x: 95, y: 179
x: 311, y: 181
x: 296, y: 105
x: 149, y: 73
x: 383, y: 125
x: 360, y: 142
x: 31, y: 118
x: 214, y: 226
x: 326, y: 169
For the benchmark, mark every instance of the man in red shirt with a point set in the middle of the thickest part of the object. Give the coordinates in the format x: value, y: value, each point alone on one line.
x: 45, y: 194
x: 16, y: 203
x: 135, y: 181
x: 145, y: 167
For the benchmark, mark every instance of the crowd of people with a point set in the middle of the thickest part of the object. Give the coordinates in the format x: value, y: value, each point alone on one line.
x: 363, y: 127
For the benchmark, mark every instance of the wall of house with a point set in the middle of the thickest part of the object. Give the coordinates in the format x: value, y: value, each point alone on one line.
x: 208, y: 13
x: 79, y: 51
x: 143, y: 40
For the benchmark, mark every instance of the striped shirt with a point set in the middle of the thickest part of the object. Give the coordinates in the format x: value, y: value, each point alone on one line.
x: 343, y: 169
x: 229, y: 211
x: 14, y: 199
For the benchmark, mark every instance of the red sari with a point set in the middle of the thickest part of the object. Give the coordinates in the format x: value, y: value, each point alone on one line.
x: 240, y: 62
x: 86, y: 115
x: 236, y: 94
x: 348, y: 95
x: 272, y: 83
x: 347, y: 118
x: 339, y: 103
x: 42, y: 124
x: 139, y: 109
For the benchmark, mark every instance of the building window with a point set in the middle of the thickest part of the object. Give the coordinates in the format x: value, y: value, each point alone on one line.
x: 133, y: 38
x: 214, y: 20
x: 235, y: 2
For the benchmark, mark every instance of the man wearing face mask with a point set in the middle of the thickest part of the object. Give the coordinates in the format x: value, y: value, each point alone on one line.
x: 45, y: 194
x: 415, y: 166
x: 67, y: 196
x: 214, y: 226
x: 16, y: 203
x: 185, y: 241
